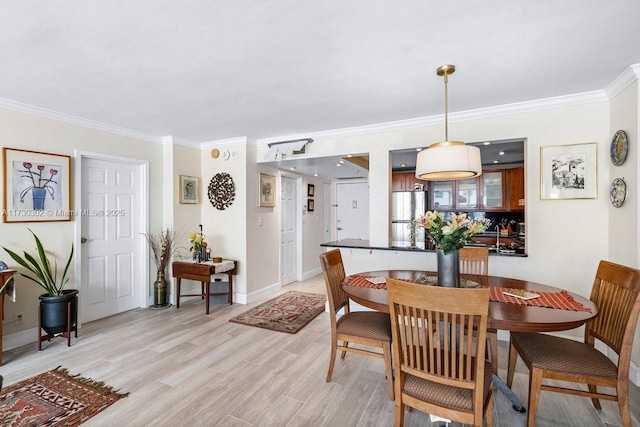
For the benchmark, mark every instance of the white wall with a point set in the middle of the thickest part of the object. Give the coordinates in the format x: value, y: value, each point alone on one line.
x: 24, y: 131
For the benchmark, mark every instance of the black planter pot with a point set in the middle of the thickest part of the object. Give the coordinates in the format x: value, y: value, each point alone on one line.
x: 53, y: 311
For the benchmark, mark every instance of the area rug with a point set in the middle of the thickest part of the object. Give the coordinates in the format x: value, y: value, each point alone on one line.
x: 55, y: 398
x: 288, y: 312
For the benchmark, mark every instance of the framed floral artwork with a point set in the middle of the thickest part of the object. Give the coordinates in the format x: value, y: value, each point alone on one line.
x: 569, y: 171
x: 189, y: 189
x: 267, y: 190
x: 36, y: 186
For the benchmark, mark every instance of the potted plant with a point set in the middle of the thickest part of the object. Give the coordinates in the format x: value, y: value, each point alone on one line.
x: 53, y: 303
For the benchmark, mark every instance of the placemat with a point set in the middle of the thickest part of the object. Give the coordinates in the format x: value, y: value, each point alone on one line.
x: 361, y: 281
x: 562, y: 300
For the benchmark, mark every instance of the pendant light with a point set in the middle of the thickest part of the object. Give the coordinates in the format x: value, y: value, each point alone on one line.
x: 448, y: 160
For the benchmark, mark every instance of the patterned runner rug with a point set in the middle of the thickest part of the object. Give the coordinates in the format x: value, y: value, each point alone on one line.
x: 288, y: 312
x: 55, y: 398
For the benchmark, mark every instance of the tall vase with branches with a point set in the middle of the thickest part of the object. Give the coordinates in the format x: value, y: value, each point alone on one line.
x: 162, y: 247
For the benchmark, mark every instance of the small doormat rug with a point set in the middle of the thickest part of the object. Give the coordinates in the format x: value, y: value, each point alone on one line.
x: 288, y: 312
x: 55, y: 398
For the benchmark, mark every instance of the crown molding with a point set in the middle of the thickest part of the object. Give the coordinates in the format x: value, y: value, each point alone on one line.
x: 74, y: 120
x: 628, y: 76
x: 480, y: 113
x: 240, y: 140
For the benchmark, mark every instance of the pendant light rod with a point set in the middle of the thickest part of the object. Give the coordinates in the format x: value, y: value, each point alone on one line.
x: 444, y: 71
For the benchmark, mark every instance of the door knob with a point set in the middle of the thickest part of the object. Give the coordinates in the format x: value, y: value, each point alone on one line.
x: 83, y: 240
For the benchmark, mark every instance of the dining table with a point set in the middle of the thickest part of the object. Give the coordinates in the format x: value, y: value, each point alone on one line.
x: 555, y: 310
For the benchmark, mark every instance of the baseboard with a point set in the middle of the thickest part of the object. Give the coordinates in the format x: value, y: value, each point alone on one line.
x: 254, y: 296
x: 19, y: 339
x: 312, y: 273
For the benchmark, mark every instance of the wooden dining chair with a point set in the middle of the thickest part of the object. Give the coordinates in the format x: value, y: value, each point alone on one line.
x: 369, y: 328
x: 440, y: 367
x: 615, y: 292
x: 474, y: 260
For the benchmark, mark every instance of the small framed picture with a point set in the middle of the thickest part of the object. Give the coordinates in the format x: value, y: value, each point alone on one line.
x: 267, y: 190
x: 310, y: 205
x: 310, y: 190
x: 189, y: 189
x: 36, y: 186
x: 569, y: 171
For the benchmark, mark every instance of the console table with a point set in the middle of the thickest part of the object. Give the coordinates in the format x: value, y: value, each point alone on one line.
x: 4, y: 275
x: 201, y: 272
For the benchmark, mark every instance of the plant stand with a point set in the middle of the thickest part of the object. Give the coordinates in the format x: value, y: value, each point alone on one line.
x: 71, y: 327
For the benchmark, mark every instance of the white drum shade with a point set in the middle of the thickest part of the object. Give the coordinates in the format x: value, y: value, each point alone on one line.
x: 448, y: 161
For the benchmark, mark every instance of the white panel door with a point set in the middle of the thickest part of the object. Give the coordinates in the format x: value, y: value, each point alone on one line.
x: 111, y: 260
x: 352, y: 212
x: 288, y: 231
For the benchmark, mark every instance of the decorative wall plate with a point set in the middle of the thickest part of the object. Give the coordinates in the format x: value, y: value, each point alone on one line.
x: 618, y: 192
x: 221, y: 191
x: 619, y: 148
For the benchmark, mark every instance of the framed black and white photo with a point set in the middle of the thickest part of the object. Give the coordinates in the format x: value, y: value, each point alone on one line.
x: 569, y: 171
x: 189, y: 189
x: 310, y: 205
x: 310, y: 190
x: 36, y: 186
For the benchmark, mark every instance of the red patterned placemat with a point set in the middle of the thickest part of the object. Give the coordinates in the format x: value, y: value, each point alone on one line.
x: 562, y: 299
x: 361, y: 281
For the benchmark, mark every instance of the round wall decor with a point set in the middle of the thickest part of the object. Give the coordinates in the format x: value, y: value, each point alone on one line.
x: 619, y: 148
x: 618, y: 192
x: 221, y: 191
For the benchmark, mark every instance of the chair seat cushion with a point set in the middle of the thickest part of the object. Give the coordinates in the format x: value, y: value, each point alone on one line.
x: 367, y: 324
x: 444, y: 395
x: 553, y: 353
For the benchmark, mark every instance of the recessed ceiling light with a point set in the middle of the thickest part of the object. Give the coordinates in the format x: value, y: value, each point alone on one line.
x: 357, y: 171
x: 338, y: 164
x: 341, y: 161
x: 315, y: 174
x: 404, y: 165
x: 495, y: 161
x: 350, y: 155
x: 419, y: 149
x: 486, y: 143
x: 501, y: 153
x: 292, y: 168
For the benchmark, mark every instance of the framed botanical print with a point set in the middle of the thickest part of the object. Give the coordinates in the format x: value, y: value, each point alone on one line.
x: 189, y: 189
x: 36, y: 186
x: 568, y: 171
x: 267, y: 191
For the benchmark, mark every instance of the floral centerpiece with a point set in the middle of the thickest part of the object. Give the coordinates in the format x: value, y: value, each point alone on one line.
x: 197, y: 243
x: 450, y: 235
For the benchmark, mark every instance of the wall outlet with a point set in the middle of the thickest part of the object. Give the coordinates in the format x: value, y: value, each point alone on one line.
x: 18, y: 319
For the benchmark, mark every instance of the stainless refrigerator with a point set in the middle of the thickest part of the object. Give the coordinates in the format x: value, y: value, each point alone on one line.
x: 405, y: 207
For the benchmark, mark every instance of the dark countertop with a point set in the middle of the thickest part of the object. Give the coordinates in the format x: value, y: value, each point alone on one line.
x: 364, y: 244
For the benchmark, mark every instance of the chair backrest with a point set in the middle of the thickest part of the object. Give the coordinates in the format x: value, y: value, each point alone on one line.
x: 433, y: 333
x: 333, y: 271
x: 474, y: 260
x: 615, y: 292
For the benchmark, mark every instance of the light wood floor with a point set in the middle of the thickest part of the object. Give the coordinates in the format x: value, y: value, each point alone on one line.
x: 184, y: 368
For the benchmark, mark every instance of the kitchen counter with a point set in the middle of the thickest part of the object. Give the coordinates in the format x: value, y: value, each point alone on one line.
x: 364, y: 244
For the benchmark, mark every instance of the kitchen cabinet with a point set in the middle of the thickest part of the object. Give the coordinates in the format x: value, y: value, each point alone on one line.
x: 404, y: 181
x: 495, y: 190
x: 515, y: 179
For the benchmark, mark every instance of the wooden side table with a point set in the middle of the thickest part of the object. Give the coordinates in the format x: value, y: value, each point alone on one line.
x: 201, y: 272
x: 4, y: 275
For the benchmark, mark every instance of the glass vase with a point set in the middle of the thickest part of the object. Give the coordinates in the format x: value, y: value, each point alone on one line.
x: 160, y: 290
x: 448, y: 268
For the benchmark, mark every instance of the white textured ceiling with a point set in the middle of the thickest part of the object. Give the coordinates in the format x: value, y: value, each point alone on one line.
x: 206, y: 70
